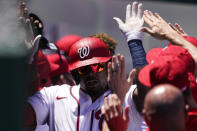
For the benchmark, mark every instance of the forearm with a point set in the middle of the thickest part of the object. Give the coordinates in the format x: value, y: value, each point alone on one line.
x: 177, y: 39
x: 137, y: 52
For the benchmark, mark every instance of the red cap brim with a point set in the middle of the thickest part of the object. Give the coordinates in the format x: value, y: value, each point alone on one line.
x: 86, y: 62
x: 144, y: 76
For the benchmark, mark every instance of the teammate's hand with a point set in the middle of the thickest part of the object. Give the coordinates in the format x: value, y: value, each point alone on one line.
x: 133, y: 22
x: 117, y: 81
x: 158, y: 27
x: 25, y: 22
x: 178, y: 29
x: 112, y: 112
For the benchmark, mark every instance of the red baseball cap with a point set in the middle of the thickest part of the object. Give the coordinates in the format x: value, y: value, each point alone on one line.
x: 66, y: 42
x: 166, y: 69
x: 191, y: 39
x: 57, y: 65
x: 173, y: 50
x: 88, y: 51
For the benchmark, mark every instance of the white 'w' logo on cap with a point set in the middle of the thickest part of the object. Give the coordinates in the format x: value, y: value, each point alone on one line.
x: 84, y: 51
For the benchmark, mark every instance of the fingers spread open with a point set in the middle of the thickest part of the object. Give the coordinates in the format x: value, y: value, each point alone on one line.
x: 118, y: 20
x: 180, y: 29
x: 139, y: 13
x: 128, y: 12
x: 134, y: 6
x: 147, y: 18
x: 152, y: 17
x: 158, y: 16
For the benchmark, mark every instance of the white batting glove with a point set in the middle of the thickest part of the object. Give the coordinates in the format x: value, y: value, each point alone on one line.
x: 133, y: 22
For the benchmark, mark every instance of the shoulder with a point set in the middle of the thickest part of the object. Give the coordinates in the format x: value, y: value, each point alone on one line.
x: 65, y: 90
x: 131, y: 90
x: 129, y: 96
x: 48, y: 94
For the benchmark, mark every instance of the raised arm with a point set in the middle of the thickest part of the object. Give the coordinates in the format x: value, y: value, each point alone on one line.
x: 132, y: 32
x: 160, y: 29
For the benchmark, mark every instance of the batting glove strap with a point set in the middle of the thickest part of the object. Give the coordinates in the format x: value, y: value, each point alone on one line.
x: 133, y: 35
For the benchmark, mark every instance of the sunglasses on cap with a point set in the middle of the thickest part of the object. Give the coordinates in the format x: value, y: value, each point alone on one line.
x: 91, y: 68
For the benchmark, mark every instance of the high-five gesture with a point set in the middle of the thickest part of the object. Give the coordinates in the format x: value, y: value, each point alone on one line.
x: 117, y: 81
x: 133, y: 22
x: 178, y: 29
x: 158, y: 27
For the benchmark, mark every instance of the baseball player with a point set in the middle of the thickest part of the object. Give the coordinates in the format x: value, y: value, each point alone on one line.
x: 64, y: 45
x: 131, y: 29
x: 164, y: 108
x: 77, y: 107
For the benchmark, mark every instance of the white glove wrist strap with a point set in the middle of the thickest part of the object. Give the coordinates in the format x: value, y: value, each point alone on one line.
x: 133, y: 35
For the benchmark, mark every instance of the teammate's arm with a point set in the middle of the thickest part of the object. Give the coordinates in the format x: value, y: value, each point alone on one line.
x: 160, y: 29
x: 132, y: 32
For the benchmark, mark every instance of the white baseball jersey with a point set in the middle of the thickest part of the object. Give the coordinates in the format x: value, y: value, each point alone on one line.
x: 137, y: 122
x: 67, y: 108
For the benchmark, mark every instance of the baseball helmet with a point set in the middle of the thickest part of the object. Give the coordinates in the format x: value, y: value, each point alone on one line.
x: 88, y: 51
x: 57, y: 66
x: 66, y: 42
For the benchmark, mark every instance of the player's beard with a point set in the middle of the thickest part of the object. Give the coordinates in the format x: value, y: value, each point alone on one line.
x: 95, y: 92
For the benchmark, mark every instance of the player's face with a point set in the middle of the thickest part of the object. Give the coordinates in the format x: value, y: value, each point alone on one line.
x: 94, y: 80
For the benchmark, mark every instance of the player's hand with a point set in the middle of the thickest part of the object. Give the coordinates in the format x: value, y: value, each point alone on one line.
x: 178, y: 29
x: 112, y: 112
x: 133, y: 22
x: 22, y: 12
x: 25, y: 22
x: 158, y: 27
x: 117, y: 81
x: 37, y: 24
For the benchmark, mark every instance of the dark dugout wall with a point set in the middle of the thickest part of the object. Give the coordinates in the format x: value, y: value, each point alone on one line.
x: 13, y: 54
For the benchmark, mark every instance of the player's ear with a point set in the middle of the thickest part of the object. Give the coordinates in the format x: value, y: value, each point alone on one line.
x: 145, y: 117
